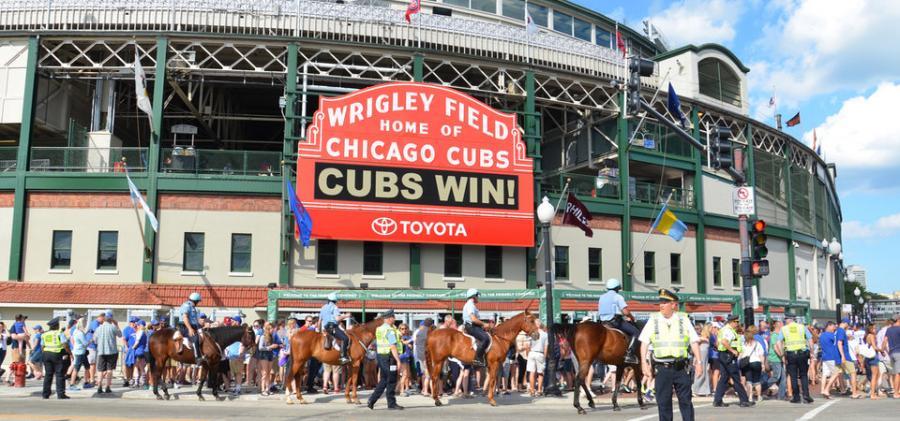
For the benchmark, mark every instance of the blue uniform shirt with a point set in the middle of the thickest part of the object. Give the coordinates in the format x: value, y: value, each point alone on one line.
x: 329, y: 313
x: 468, y: 310
x: 610, y: 305
x: 189, y: 309
x: 391, y: 337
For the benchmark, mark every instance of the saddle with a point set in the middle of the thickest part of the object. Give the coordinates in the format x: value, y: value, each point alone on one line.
x: 487, y: 348
x: 329, y: 342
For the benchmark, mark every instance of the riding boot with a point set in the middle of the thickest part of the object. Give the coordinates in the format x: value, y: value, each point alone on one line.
x: 345, y: 349
x: 630, y: 353
x: 479, y: 357
x: 198, y: 355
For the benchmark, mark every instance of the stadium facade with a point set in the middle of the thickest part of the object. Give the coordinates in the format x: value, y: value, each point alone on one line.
x: 234, y: 87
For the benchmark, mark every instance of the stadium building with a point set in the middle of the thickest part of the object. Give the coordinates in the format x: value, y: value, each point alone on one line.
x: 234, y: 87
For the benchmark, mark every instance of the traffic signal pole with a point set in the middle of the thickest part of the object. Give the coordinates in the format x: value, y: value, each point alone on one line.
x: 746, y: 278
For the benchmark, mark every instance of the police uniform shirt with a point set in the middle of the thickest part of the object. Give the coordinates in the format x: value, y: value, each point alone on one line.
x: 610, y: 305
x: 468, y: 310
x: 668, y: 323
x: 191, y: 311
x: 727, y: 334
x: 61, y: 334
x: 329, y: 313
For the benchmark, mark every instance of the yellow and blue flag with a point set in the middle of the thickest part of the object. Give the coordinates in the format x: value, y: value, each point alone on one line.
x: 667, y: 223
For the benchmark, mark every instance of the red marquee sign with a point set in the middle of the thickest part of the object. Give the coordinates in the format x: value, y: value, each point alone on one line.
x: 418, y: 163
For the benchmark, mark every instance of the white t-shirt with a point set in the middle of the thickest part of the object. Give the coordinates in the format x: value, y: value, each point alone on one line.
x: 879, y: 338
x: 668, y: 323
x: 537, y: 345
x: 755, y: 352
x: 853, y: 346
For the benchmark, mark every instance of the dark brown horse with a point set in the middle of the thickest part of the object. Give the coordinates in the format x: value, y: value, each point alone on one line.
x: 212, y: 345
x: 591, y: 342
x: 444, y: 343
x: 309, y: 344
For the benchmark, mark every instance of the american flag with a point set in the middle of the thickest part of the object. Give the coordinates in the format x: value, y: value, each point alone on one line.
x: 413, y: 8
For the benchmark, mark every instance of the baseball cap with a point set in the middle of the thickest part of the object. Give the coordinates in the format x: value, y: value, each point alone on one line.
x: 133, y: 319
x: 202, y: 315
x: 845, y: 320
x: 237, y: 319
x: 108, y: 313
x: 38, y: 327
x: 718, y: 325
x: 154, y: 321
x: 141, y: 322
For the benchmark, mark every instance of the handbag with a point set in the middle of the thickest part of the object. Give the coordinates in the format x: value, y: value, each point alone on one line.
x: 866, y: 351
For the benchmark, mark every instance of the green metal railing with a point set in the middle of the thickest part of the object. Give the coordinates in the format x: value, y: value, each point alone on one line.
x: 8, y: 159
x: 220, y: 162
x: 84, y: 159
x: 583, y: 185
x: 653, y: 194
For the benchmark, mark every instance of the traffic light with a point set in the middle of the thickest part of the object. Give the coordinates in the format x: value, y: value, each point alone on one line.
x: 637, y: 68
x: 721, y: 148
x: 759, y: 266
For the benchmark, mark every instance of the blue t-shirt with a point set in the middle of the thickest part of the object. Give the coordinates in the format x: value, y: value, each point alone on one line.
x: 713, y: 349
x: 38, y: 344
x: 89, y: 335
x: 18, y: 328
x: 893, y: 337
x: 828, y: 343
x: 128, y: 334
x: 762, y: 339
x: 609, y: 305
x: 841, y: 335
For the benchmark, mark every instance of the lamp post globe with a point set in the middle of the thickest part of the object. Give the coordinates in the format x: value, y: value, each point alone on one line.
x: 545, y: 211
x: 861, y: 300
x: 824, y: 244
x: 834, y: 247
x: 856, y: 292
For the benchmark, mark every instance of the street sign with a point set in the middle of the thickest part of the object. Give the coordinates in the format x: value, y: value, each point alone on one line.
x: 743, y: 201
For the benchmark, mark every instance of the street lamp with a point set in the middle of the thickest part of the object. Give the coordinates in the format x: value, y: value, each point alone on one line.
x: 856, y: 292
x: 450, y: 286
x: 364, y: 286
x: 545, y: 214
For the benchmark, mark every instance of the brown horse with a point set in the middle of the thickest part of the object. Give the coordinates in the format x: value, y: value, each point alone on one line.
x: 309, y: 344
x: 444, y: 343
x: 595, y: 342
x: 212, y: 345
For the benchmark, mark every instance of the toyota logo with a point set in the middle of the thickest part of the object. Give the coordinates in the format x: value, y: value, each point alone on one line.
x: 384, y: 226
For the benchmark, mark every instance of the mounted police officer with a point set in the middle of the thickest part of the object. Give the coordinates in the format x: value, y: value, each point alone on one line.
x: 189, y: 325
x: 671, y: 334
x: 474, y: 326
x: 797, y: 342
x: 613, y: 309
x: 730, y: 348
x: 330, y: 318
x: 55, y: 358
x: 388, y: 347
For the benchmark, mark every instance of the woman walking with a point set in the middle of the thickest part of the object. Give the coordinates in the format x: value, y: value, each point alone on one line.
x: 755, y: 357
x: 265, y: 356
x: 872, y: 371
x: 701, y: 382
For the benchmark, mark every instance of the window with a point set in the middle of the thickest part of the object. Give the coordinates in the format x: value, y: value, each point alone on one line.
x: 489, y: 6
x: 373, y: 258
x: 540, y: 14
x: 493, y: 262
x: 561, y: 262
x: 193, y: 252
x: 595, y: 264
x: 107, y: 250
x: 717, y: 271
x: 649, y: 267
x: 62, y: 250
x: 514, y: 9
x: 736, y: 273
x: 241, y: 244
x: 718, y: 81
x: 675, y: 267
x: 326, y: 259
x: 463, y: 3
x: 452, y: 261
x: 582, y: 30
x: 603, y: 37
x: 562, y: 22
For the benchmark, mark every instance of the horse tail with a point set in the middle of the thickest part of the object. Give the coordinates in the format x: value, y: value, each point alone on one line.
x: 566, y: 330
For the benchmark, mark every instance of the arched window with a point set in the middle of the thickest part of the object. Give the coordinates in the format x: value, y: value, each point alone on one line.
x: 718, y: 81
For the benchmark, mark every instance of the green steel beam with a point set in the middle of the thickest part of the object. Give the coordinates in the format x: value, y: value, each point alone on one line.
x: 8, y: 183
x: 685, y: 164
x: 792, y: 272
x: 533, y: 146
x: 791, y: 276
x: 244, y: 185
x: 418, y: 67
x: 698, y: 202
x: 415, y: 266
x: 159, y: 84
x: 287, y: 151
x: 22, y: 161
x: 625, y: 232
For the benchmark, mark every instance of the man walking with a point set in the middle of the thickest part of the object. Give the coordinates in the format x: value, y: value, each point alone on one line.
x: 797, y: 343
x: 419, y: 338
x: 55, y: 359
x: 387, y: 344
x: 729, y: 350
x: 776, y: 360
x: 107, y: 351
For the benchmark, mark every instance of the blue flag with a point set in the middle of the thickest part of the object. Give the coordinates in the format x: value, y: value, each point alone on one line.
x: 302, y: 220
x: 675, y: 106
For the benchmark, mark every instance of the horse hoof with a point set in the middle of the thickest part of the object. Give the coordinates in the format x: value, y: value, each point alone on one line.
x: 159, y: 398
x: 617, y: 409
x: 201, y: 398
x: 581, y: 411
x: 437, y: 403
x: 302, y: 402
x: 493, y: 403
x: 591, y: 404
x: 168, y: 397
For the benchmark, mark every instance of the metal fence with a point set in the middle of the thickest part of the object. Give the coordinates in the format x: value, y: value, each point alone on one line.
x: 8, y: 159
x: 87, y: 159
x: 220, y: 162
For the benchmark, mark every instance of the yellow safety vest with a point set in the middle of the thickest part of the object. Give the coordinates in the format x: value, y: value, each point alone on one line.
x: 795, y: 337
x: 735, y: 343
x: 52, y: 341
x: 672, y: 341
x: 382, y: 345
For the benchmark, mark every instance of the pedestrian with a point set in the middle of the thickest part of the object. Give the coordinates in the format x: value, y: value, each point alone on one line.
x: 19, y: 334
x: 419, y: 339
x: 36, y: 358
x: 848, y: 359
x: 884, y: 359
x: 92, y: 350
x: 714, y: 354
x: 55, y: 357
x: 140, y: 342
x: 776, y: 360
x: 536, y: 359
x: 701, y: 382
x: 107, y: 351
x: 671, y: 336
x: 871, y: 362
x: 4, y: 337
x: 78, y: 343
x: 388, y: 345
x: 831, y: 359
x: 754, y: 357
x: 729, y: 350
x: 893, y: 338
x: 266, y: 354
x: 405, y: 360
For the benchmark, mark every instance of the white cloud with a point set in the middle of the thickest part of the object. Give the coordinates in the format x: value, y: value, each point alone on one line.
x: 885, y: 226
x: 698, y: 21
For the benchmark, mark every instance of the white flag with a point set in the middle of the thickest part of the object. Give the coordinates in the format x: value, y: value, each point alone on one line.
x: 530, y: 27
x: 137, y: 198
x: 140, y: 88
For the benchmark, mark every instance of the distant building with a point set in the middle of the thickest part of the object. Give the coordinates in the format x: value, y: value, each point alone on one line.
x: 857, y: 273
x: 884, y: 309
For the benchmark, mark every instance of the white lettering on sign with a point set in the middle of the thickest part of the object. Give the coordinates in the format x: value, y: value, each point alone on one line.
x: 356, y: 112
x: 378, y: 149
x: 440, y: 229
x: 475, y: 119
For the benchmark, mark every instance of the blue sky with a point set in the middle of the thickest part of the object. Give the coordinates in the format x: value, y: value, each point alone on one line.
x: 835, y: 62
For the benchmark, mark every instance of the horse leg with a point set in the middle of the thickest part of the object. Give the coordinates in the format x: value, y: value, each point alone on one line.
x: 200, y: 381
x: 620, y: 371
x: 639, y: 374
x: 579, y: 382
x: 492, y: 372
x: 160, y: 379
x: 435, y: 381
x: 213, y: 379
x: 154, y: 374
x: 300, y: 368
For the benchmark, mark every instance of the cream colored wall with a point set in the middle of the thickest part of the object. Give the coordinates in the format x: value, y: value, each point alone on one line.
x: 805, y: 271
x: 611, y: 257
x: 473, y: 268
x: 218, y: 227
x: 717, y: 196
x: 6, y: 217
x: 395, y: 267
x: 13, y: 63
x: 682, y: 71
x: 776, y: 284
x: 664, y: 246
x: 85, y: 225
x: 727, y: 251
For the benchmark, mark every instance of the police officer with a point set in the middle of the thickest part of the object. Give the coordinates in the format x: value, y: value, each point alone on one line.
x: 613, y: 309
x: 474, y: 326
x: 190, y: 324
x: 671, y: 334
x: 330, y: 317
x: 56, y: 358
x: 797, y: 343
x: 729, y: 350
x: 388, y: 347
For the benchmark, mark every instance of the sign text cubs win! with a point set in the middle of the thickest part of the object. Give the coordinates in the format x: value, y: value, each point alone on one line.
x: 415, y: 162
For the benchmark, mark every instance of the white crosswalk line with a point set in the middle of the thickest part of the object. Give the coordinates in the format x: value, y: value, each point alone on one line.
x: 656, y: 414
x: 809, y: 415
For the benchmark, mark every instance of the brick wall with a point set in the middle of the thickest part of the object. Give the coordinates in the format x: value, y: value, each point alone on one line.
x: 643, y: 226
x: 720, y: 234
x: 6, y: 199
x: 220, y: 202
x: 597, y: 222
x: 79, y: 200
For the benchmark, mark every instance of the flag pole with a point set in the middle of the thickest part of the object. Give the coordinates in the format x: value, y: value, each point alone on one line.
x: 556, y: 209
x: 137, y: 214
x: 527, y: 39
x: 649, y: 232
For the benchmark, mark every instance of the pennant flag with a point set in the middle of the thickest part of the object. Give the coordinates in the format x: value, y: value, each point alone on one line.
x: 530, y: 27
x: 675, y: 106
x: 816, y: 146
x: 620, y: 43
x: 413, y: 8
x: 667, y: 223
x: 771, y: 102
x: 136, y: 199
x: 302, y: 220
x: 795, y: 120
x: 140, y: 88
x: 577, y: 214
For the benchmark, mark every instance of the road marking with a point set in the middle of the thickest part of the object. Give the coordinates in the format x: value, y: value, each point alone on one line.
x: 649, y: 417
x: 81, y: 418
x: 809, y: 415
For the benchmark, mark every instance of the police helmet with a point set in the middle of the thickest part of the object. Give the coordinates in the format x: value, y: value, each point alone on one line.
x: 613, y: 283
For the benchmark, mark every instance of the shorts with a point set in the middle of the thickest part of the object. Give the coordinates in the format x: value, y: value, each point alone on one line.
x: 535, y: 362
x: 265, y: 356
x: 895, y: 362
x: 81, y: 361
x: 330, y: 369
x: 92, y: 356
x: 423, y: 368
x: 237, y: 368
x: 848, y: 368
x: 829, y: 368
x: 107, y: 362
